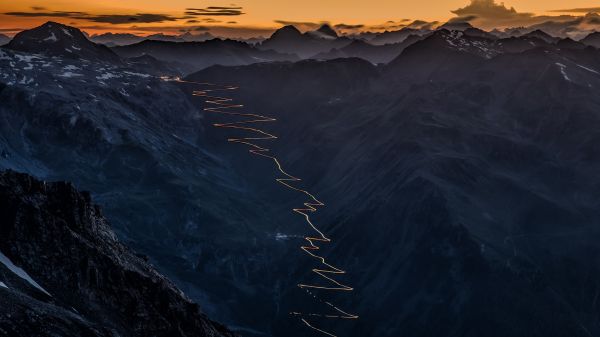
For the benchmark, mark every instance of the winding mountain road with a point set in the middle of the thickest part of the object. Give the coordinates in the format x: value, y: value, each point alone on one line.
x: 327, y: 271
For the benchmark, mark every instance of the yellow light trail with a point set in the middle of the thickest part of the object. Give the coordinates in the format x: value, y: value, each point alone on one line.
x: 223, y: 105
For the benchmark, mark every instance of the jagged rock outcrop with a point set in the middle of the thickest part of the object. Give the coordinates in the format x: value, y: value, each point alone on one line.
x: 92, y: 284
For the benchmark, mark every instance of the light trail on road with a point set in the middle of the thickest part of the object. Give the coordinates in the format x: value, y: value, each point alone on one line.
x: 327, y: 271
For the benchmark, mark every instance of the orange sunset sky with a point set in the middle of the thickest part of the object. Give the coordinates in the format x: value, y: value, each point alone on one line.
x: 245, y: 18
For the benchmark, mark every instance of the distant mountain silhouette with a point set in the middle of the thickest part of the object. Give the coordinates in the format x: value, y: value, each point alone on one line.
x: 116, y: 39
x: 199, y: 55
x: 290, y: 40
x: 396, y: 36
x: 372, y: 53
x: 476, y: 32
x: 592, y: 40
x: 55, y: 39
x: 186, y: 37
x: 540, y: 34
x: 123, y: 39
x: 460, y: 26
x: 325, y: 31
x: 569, y: 43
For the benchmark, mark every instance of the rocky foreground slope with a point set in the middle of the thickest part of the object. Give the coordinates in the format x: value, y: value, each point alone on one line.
x: 64, y: 273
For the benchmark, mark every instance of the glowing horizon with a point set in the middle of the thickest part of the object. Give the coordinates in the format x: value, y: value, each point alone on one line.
x: 249, y: 18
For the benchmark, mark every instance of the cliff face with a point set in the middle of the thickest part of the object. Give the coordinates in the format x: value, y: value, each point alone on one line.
x: 64, y: 273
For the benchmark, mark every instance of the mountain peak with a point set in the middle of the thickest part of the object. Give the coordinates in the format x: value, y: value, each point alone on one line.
x: 540, y: 34
x: 327, y: 30
x: 592, y: 40
x: 461, y: 25
x: 287, y: 31
x: 55, y: 39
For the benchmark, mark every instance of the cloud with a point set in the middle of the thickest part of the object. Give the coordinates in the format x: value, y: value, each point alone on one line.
x: 489, y: 9
x: 577, y: 10
x: 232, y: 22
x: 116, y: 19
x: 425, y: 25
x: 54, y: 14
x: 343, y: 26
x: 488, y: 14
x: 467, y: 18
x: 210, y: 20
x: 575, y: 27
x: 215, y: 11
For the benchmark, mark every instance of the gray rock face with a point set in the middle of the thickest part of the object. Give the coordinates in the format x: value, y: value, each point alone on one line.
x: 97, y: 286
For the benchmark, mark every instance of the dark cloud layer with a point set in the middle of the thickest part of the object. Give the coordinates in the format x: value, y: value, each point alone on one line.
x: 215, y: 11
x: 577, y: 10
x: 344, y: 26
x: 112, y: 19
x: 54, y: 14
x: 117, y: 19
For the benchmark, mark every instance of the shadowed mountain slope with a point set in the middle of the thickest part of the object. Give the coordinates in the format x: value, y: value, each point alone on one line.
x: 92, y: 284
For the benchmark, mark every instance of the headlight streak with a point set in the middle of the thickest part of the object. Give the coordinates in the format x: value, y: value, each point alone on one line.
x: 223, y: 105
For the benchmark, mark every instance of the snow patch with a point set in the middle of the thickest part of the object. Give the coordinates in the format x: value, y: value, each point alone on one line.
x: 51, y: 38
x: 26, y: 58
x: 2, y: 285
x: 26, y: 81
x: 71, y: 68
x: 69, y: 74
x: 136, y: 74
x: 21, y: 273
x: 66, y: 32
x: 106, y: 76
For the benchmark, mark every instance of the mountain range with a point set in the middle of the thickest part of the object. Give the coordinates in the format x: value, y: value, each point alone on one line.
x: 122, y: 39
x: 458, y: 169
x: 461, y: 176
x: 199, y: 55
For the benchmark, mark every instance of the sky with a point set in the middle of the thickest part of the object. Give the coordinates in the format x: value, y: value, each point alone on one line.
x: 247, y: 18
